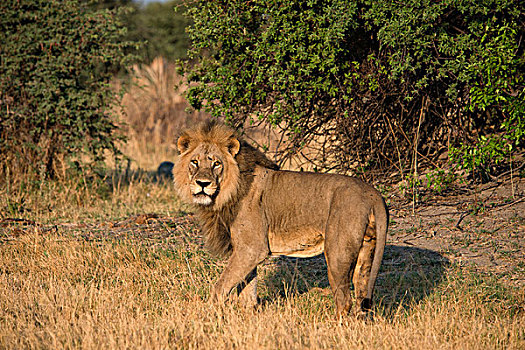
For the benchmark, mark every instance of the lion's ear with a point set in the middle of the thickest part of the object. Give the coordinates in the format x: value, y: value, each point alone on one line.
x: 233, y: 146
x: 183, y: 143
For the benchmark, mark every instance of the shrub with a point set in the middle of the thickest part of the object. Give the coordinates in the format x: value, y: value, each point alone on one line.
x: 380, y: 82
x: 57, y: 61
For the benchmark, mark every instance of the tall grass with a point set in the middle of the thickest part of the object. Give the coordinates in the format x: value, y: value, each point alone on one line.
x: 154, y: 112
x: 86, y: 198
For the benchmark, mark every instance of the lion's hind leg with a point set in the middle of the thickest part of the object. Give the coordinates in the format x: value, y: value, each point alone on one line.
x: 363, y: 266
x: 339, y: 278
x: 341, y: 250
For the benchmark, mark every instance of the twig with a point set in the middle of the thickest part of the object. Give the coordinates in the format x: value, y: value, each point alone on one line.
x: 397, y: 146
x: 461, y: 219
x: 511, y: 203
x: 9, y: 221
x: 191, y: 273
x: 421, y: 115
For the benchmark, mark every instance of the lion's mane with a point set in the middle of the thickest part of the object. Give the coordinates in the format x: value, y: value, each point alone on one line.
x: 237, y: 179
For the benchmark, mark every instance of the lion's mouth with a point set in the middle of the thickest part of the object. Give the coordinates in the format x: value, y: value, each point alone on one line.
x: 203, y: 192
x: 202, y: 198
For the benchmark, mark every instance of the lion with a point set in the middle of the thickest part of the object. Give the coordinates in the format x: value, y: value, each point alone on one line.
x: 251, y: 210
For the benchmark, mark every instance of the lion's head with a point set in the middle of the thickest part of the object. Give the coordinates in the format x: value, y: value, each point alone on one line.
x: 213, y: 172
x: 206, y: 173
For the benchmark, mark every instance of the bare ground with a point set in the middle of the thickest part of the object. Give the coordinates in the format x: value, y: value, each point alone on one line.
x: 481, y: 227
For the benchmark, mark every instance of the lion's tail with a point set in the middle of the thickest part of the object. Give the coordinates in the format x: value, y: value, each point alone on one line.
x: 381, y: 221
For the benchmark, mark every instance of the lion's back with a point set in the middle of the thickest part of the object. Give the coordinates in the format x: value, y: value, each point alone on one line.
x: 314, y: 189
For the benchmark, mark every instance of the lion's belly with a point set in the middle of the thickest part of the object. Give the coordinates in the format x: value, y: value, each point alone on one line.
x: 297, y: 243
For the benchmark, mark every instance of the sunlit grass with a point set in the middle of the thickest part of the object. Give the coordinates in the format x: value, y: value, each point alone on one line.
x: 60, y: 291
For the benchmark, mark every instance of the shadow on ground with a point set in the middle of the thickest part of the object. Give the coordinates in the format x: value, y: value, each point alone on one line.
x: 407, y: 276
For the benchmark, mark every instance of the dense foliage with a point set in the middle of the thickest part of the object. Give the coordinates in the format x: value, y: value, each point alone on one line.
x: 378, y: 82
x: 57, y: 59
x: 161, y: 28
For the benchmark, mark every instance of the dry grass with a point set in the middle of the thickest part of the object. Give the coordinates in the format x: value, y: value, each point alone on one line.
x: 154, y: 109
x: 88, y: 197
x: 60, y: 291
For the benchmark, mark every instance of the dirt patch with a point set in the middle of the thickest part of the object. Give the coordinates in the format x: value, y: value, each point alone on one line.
x: 150, y: 229
x: 483, y: 227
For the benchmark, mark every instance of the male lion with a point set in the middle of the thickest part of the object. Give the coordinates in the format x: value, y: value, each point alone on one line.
x: 252, y: 209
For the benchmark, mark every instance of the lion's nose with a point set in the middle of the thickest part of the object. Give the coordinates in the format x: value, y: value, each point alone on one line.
x: 203, y: 184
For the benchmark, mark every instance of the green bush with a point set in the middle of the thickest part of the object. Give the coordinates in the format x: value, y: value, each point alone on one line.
x: 57, y: 59
x: 383, y: 82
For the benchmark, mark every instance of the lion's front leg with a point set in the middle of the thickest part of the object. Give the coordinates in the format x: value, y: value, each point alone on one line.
x: 247, y: 290
x: 249, y: 235
x: 240, y: 272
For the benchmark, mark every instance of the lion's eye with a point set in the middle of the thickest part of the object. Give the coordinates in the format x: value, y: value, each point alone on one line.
x: 194, y: 162
x: 216, y: 164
